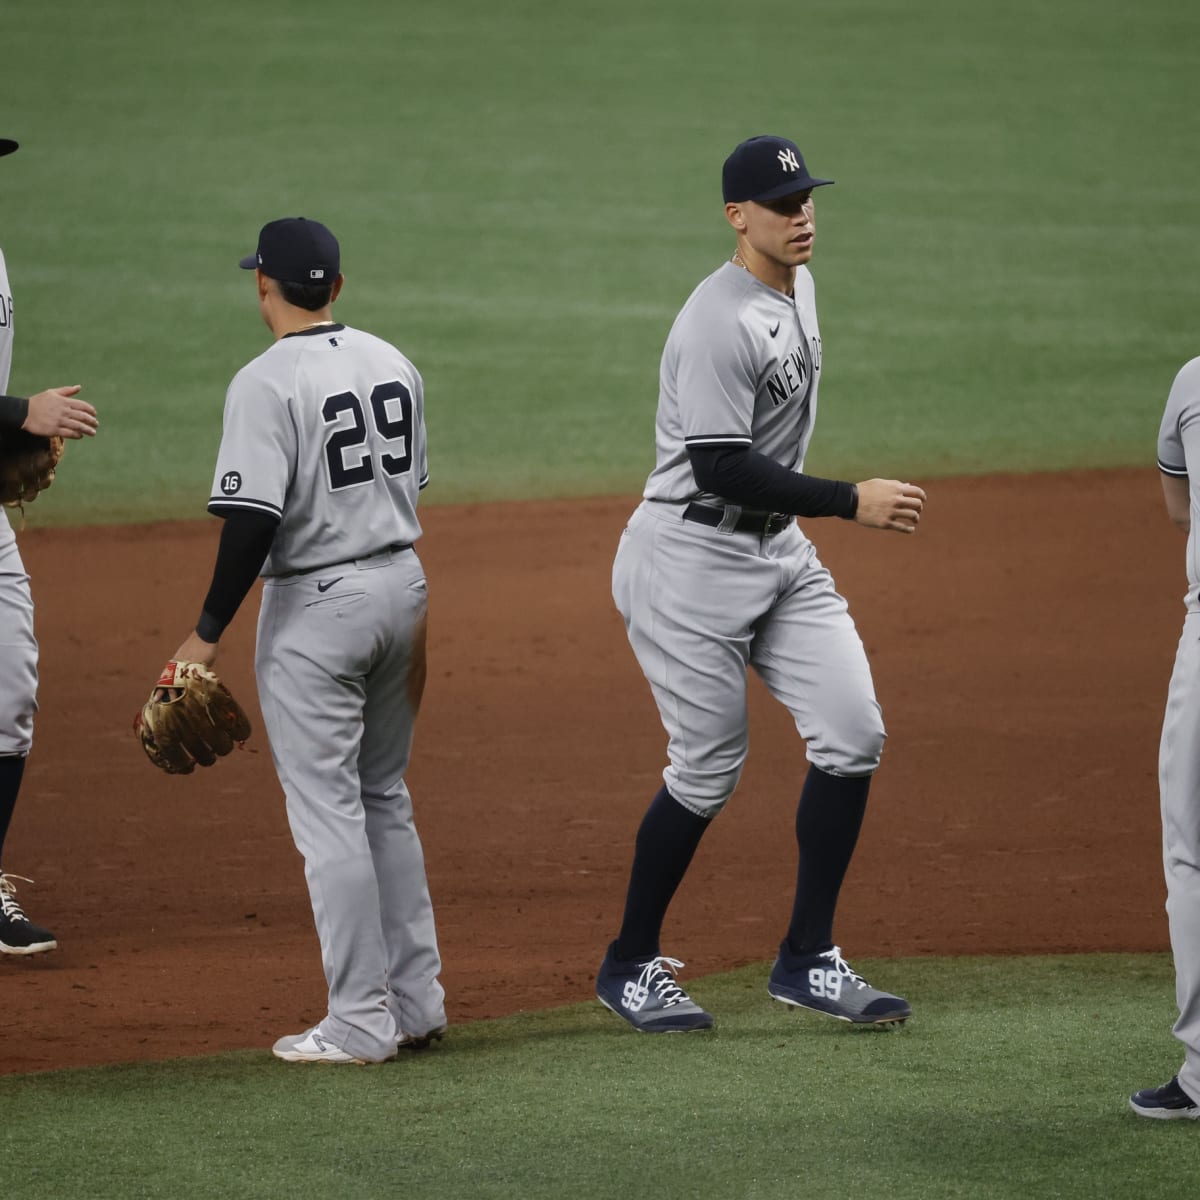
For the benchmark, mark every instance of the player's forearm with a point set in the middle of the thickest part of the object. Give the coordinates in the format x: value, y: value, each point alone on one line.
x: 13, y: 411
x: 743, y: 476
x: 245, y: 543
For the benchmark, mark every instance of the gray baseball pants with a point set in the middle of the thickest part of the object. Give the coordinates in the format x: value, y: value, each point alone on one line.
x: 701, y: 607
x: 1179, y: 790
x: 340, y: 664
x: 18, y: 648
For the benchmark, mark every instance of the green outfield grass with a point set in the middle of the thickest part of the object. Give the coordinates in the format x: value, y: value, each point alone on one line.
x: 526, y: 193
x: 1010, y: 1081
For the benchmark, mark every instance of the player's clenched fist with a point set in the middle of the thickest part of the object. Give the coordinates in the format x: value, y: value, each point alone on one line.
x: 889, y: 504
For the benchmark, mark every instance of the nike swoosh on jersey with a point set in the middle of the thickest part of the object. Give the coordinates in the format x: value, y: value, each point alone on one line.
x: 324, y: 587
x: 774, y: 331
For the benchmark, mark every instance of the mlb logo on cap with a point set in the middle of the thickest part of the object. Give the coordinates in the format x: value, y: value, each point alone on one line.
x: 296, y: 250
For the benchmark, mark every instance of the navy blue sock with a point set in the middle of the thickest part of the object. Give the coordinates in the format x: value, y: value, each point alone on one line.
x: 666, y: 842
x: 12, y: 767
x: 828, y: 819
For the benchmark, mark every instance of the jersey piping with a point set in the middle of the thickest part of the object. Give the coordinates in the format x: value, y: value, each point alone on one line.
x: 719, y: 439
x: 315, y: 330
x: 221, y: 504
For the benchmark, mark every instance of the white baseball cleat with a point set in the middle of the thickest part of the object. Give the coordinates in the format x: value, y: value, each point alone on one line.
x: 313, y: 1047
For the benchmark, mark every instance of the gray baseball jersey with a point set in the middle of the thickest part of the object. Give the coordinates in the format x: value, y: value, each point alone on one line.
x: 326, y: 431
x: 1178, y: 765
x: 18, y: 648
x: 741, y: 366
x: 1178, y: 434
x: 702, y: 605
x: 6, y: 326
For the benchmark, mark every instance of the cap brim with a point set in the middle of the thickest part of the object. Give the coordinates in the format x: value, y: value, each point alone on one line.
x: 790, y: 188
x: 7, y: 146
x: 249, y: 263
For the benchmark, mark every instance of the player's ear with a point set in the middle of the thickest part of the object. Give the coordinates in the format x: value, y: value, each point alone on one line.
x: 337, y: 287
x: 735, y: 216
x: 264, y: 284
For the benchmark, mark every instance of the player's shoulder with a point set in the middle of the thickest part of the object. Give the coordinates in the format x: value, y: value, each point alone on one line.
x: 266, y: 368
x: 717, y: 304
x: 1188, y: 375
x: 1182, y: 411
x: 375, y: 343
x: 727, y: 285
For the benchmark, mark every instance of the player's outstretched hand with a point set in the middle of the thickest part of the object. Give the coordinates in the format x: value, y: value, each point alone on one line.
x: 889, y: 504
x: 58, y: 412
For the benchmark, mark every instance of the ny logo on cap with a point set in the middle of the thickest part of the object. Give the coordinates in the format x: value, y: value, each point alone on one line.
x: 319, y: 273
x: 788, y: 160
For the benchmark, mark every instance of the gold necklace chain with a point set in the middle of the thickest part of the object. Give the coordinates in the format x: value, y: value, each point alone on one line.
x: 738, y: 261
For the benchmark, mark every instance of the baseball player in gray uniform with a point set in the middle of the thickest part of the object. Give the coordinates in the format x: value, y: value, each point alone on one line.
x: 713, y: 576
x: 57, y: 412
x: 1178, y: 763
x: 321, y: 461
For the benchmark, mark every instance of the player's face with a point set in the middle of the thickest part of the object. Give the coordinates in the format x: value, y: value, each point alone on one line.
x: 782, y: 229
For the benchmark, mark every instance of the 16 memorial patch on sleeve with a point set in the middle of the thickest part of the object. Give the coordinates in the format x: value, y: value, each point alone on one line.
x: 231, y: 483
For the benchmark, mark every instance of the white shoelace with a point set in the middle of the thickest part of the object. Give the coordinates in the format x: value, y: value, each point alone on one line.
x: 8, y: 897
x: 843, y: 968
x: 658, y: 974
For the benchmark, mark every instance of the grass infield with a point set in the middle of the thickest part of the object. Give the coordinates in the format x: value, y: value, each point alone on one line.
x: 1010, y: 1081
x: 527, y: 192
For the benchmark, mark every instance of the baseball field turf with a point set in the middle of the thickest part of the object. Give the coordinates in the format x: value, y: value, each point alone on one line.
x: 1002, y: 1089
x: 524, y: 194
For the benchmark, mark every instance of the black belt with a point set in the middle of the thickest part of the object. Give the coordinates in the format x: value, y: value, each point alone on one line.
x: 396, y: 546
x: 763, y: 523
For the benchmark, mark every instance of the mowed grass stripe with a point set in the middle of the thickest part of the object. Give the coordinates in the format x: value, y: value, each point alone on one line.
x: 525, y: 197
x: 1010, y: 1081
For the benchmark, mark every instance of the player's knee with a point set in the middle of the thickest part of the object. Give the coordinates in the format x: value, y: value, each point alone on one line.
x: 16, y: 728
x: 703, y: 792
x: 852, y: 746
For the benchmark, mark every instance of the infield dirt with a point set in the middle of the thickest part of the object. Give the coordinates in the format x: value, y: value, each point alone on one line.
x: 1022, y: 644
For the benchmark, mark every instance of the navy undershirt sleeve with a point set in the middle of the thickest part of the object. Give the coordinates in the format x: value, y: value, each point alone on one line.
x: 245, y: 542
x: 13, y: 411
x: 743, y: 476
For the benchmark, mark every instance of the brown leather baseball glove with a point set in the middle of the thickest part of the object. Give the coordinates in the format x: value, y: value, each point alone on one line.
x: 191, y: 717
x: 27, y: 465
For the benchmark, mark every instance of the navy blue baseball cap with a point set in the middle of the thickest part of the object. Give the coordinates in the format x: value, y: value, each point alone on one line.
x: 296, y: 250
x: 7, y: 146
x: 766, y: 168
